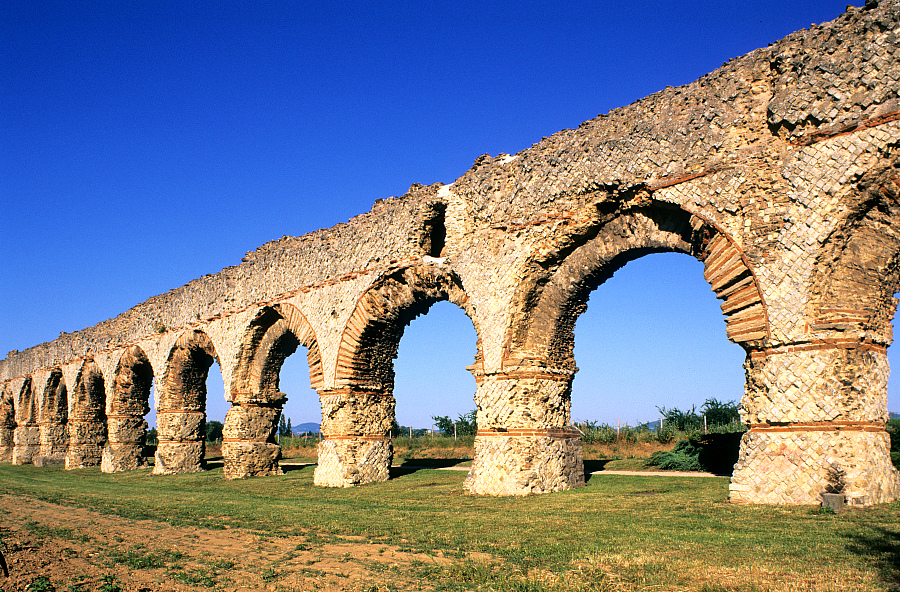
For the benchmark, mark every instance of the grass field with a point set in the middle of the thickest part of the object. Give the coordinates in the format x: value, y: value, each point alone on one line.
x: 618, y: 533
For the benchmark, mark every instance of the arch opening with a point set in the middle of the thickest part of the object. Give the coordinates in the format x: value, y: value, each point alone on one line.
x: 432, y: 378
x: 650, y: 338
x: 250, y: 440
x: 181, y: 405
x: 359, y: 413
x: 130, y: 402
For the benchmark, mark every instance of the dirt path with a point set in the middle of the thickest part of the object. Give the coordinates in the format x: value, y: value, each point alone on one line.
x: 82, y: 550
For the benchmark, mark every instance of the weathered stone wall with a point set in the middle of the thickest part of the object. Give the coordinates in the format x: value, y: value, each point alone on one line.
x: 779, y: 171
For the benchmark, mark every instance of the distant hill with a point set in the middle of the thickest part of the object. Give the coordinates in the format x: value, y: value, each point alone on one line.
x: 305, y: 427
x: 893, y: 415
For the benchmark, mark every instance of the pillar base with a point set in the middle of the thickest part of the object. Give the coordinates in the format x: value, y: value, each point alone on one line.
x: 27, y: 445
x: 122, y: 457
x: 523, y: 462
x: 792, y: 467
x: 173, y: 458
x: 349, y: 461
x: 83, y: 455
x: 251, y: 459
x: 54, y: 443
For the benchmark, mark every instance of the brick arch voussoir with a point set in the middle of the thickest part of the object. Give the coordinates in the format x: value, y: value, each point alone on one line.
x: 187, y: 366
x: 372, y: 334
x: 274, y: 334
x: 551, y: 300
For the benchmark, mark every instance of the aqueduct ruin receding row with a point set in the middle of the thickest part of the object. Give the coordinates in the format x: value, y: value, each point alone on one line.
x: 779, y: 171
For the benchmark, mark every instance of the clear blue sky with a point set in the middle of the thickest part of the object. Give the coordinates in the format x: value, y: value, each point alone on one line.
x: 144, y: 144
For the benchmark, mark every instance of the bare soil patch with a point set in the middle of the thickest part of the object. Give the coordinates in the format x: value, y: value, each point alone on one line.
x: 78, y: 549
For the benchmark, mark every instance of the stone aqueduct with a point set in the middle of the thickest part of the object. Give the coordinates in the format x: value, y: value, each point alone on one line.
x: 780, y: 171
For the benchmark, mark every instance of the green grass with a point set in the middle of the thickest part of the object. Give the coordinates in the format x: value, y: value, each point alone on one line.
x: 618, y: 533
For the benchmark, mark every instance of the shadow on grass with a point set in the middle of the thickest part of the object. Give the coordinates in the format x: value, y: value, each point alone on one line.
x: 594, y: 465
x: 412, y: 465
x: 881, y: 546
x: 288, y: 465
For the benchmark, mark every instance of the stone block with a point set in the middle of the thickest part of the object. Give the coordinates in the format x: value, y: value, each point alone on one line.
x: 173, y: 458
x: 349, y: 462
x: 251, y: 459
x: 180, y: 427
x: 122, y: 457
x: 250, y: 423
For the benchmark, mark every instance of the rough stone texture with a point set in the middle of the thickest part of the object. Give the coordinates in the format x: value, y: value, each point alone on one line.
x: 780, y: 171
x: 26, y: 436
x: 792, y: 467
x: 7, y: 423
x: 353, y: 461
x: 522, y: 464
x: 181, y: 409
x: 251, y: 459
x: 248, y: 444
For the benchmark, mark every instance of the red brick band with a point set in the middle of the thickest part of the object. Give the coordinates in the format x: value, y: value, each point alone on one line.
x: 820, y: 426
x: 181, y: 411
x: 533, y: 432
x: 825, y: 344
x: 836, y: 130
x: 365, y: 438
x: 351, y: 391
x: 558, y: 376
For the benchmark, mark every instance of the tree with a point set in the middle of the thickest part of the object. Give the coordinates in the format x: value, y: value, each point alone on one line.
x: 282, y: 427
x: 444, y: 424
x: 683, y: 421
x: 213, y: 430
x: 720, y: 413
x: 466, y: 424
x: 290, y: 430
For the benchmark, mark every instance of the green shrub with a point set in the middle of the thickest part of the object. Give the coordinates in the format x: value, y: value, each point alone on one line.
x: 665, y: 435
x: 893, y: 428
x: 715, y: 453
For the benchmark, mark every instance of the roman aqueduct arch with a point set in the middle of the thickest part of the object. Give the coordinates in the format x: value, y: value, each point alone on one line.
x: 780, y: 171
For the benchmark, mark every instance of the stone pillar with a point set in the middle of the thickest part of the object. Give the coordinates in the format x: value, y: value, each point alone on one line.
x: 524, y: 443
x: 26, y: 444
x: 125, y: 450
x: 87, y: 419
x: 248, y: 439
x: 356, y: 447
x: 128, y: 404
x: 27, y: 435
x: 817, y: 414
x: 181, y: 446
x: 54, y: 430
x: 7, y: 426
x: 54, y: 442
x: 87, y: 433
